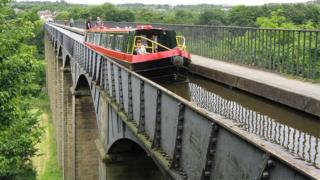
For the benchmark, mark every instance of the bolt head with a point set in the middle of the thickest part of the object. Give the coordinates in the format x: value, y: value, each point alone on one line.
x: 207, y: 173
x: 270, y: 163
x: 212, y: 151
x: 265, y: 175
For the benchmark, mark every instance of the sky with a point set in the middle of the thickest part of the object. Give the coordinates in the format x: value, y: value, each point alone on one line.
x: 184, y: 2
x: 176, y: 2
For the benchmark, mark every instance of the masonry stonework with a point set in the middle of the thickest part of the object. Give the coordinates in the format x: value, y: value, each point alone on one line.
x: 86, y: 156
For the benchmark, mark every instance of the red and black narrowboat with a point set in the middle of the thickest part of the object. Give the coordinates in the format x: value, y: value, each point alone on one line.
x: 152, y: 52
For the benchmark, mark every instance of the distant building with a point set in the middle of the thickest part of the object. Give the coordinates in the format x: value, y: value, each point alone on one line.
x: 46, y: 15
x: 226, y: 7
x: 16, y: 10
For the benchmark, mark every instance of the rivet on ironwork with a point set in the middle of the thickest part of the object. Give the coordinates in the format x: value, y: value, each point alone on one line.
x: 97, y: 72
x: 91, y: 57
x: 270, y: 163
x: 101, y: 72
x: 178, y: 146
x: 157, y: 134
x: 265, y: 169
x: 206, y: 172
x: 113, y: 88
x: 209, y: 163
x: 130, y: 105
x: 185, y: 176
x: 120, y: 89
x: 176, y: 165
x: 142, y: 109
x: 212, y: 151
x: 265, y: 175
x: 215, y: 127
x: 106, y: 77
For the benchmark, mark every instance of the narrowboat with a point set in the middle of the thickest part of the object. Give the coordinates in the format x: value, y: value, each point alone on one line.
x: 155, y: 53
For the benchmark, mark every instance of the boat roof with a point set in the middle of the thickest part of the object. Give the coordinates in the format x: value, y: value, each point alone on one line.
x: 126, y: 29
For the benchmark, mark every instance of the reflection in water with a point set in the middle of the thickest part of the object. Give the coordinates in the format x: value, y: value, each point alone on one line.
x: 295, y: 131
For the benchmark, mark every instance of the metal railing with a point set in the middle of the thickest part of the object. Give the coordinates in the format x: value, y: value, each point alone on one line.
x: 287, y: 51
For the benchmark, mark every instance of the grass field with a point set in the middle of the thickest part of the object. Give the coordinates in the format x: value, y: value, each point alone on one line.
x: 46, y: 163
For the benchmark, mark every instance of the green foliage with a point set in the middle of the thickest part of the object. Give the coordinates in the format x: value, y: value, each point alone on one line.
x: 179, y: 16
x: 203, y: 14
x: 244, y: 15
x: 215, y: 17
x: 275, y: 21
x: 64, y: 15
x: 19, y: 128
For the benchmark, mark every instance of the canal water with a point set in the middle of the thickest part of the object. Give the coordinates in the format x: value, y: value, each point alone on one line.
x: 295, y: 131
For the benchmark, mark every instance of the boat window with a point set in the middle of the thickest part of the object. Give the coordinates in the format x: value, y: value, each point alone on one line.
x: 103, y: 40
x: 119, y: 43
x: 157, y: 40
x: 110, y: 41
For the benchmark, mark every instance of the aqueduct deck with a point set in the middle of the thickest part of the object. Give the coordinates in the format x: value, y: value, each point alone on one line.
x: 101, y: 108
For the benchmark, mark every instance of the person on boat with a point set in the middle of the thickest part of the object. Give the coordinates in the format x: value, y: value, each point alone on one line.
x: 98, y: 22
x: 71, y: 22
x: 89, y: 23
x: 140, y: 48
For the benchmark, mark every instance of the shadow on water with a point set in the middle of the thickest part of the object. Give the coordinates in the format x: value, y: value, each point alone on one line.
x: 298, y: 132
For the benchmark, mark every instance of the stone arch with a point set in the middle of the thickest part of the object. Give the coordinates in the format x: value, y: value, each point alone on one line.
x: 123, y: 145
x: 60, y: 52
x: 132, y: 160
x: 55, y: 45
x: 67, y: 62
x: 86, y: 156
x: 82, y: 83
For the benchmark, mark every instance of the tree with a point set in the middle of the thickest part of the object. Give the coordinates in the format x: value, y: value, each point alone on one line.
x: 275, y: 21
x: 19, y: 128
x: 244, y: 15
x: 215, y: 17
x: 124, y: 15
x: 64, y: 15
x: 183, y: 17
